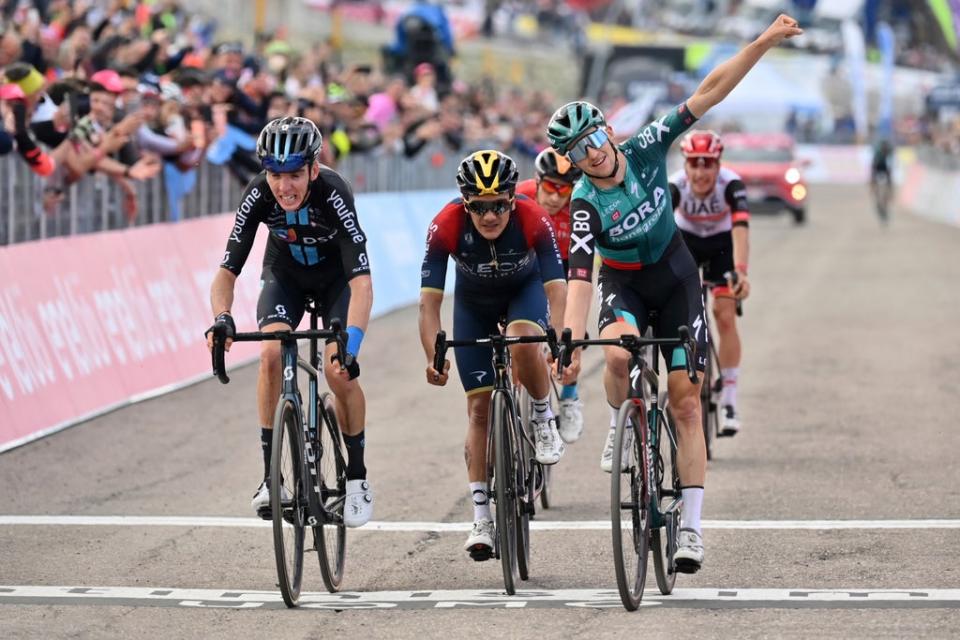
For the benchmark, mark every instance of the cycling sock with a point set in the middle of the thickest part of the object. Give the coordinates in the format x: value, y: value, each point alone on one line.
x: 266, y: 444
x: 614, y: 412
x: 569, y: 392
x: 729, y: 395
x: 692, y: 504
x: 355, y: 467
x: 481, y: 501
x: 541, y: 408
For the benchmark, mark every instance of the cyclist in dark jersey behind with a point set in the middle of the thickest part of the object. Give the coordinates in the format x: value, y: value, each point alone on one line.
x: 622, y: 210
x: 315, y: 247
x: 508, y: 267
x: 551, y: 188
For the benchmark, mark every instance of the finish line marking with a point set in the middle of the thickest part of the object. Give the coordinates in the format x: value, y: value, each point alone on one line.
x: 444, y: 527
x: 469, y: 598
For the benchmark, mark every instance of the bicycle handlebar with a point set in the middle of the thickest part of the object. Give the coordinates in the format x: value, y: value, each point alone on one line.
x: 496, y: 340
x: 335, y: 333
x: 633, y: 344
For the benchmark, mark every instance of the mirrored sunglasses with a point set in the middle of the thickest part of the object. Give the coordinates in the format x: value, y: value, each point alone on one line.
x: 594, y: 140
x: 703, y: 163
x: 289, y: 164
x: 483, y: 207
x: 558, y: 188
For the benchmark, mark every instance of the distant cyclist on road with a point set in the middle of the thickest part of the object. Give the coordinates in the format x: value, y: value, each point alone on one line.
x: 881, y: 178
x: 623, y: 211
x: 317, y: 248
x: 551, y: 189
x: 508, y: 267
x: 710, y: 208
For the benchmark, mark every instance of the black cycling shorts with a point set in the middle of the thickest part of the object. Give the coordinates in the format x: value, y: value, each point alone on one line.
x: 667, y: 291
x: 714, y: 254
x: 283, y: 294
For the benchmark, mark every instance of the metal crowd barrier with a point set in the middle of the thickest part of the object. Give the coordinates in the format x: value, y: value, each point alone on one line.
x: 95, y: 203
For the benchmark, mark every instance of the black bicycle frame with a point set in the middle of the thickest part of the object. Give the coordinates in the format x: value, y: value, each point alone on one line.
x: 290, y: 391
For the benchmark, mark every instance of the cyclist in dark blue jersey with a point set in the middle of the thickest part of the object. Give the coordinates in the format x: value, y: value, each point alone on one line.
x: 507, y: 268
x: 622, y: 210
x: 315, y: 248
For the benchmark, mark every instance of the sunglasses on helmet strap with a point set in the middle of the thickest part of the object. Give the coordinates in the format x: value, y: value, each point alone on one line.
x: 594, y: 140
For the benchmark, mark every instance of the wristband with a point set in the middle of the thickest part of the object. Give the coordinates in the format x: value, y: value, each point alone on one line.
x: 742, y: 268
x: 354, y: 338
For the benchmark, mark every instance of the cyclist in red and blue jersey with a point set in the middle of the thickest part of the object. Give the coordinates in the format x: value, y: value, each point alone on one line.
x: 551, y: 188
x: 710, y: 208
x: 622, y: 210
x: 315, y: 248
x: 508, y: 269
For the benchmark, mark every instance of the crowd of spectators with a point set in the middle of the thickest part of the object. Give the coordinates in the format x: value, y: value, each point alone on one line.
x: 134, y: 90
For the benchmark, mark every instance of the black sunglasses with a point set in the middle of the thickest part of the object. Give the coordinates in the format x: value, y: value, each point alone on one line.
x: 483, y: 207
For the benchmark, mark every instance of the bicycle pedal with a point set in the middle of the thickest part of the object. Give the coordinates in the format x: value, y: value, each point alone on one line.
x: 481, y: 553
x: 264, y: 513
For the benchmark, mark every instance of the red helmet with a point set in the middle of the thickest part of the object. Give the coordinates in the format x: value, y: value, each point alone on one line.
x: 701, y: 144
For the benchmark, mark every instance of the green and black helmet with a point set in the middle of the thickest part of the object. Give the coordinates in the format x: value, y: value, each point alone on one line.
x: 570, y: 122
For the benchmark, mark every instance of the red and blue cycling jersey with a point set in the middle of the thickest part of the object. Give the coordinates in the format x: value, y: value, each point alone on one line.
x: 527, y: 245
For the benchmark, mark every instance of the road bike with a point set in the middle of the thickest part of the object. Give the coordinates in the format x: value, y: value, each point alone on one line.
x: 514, y: 477
x: 308, y: 470
x: 645, y: 497
x: 712, y: 387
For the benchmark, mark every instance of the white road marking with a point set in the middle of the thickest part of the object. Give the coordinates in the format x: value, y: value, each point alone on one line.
x: 444, y: 527
x: 449, y: 599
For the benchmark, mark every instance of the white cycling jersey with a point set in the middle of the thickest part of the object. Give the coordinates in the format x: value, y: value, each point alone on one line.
x: 718, y: 212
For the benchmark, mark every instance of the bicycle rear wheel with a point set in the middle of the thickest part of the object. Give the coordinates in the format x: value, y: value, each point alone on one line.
x: 504, y: 488
x: 288, y: 518
x: 330, y: 536
x: 629, y: 504
x: 667, y: 477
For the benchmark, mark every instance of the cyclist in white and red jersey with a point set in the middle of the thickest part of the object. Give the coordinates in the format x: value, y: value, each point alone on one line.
x: 710, y: 208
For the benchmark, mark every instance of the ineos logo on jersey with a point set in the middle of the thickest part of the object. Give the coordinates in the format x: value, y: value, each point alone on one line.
x: 242, y: 212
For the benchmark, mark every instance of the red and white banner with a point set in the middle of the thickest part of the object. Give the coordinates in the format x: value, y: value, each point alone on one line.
x: 93, y: 322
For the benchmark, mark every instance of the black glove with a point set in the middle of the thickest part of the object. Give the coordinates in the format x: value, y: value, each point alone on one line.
x: 350, y: 364
x: 224, y: 320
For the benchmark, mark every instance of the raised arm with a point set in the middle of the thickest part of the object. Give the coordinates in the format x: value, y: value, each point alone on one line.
x: 721, y: 81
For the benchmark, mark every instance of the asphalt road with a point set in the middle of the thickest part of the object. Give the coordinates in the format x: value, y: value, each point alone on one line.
x: 849, y: 401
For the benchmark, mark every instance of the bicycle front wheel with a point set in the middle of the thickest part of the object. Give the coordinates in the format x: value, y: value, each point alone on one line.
x: 330, y: 534
x: 662, y: 539
x: 505, y: 487
x: 629, y: 503
x: 287, y: 500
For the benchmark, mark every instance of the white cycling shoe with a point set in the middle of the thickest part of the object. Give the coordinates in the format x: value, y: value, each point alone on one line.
x: 358, y: 506
x: 570, y: 422
x: 688, y: 558
x: 606, y: 458
x: 261, y: 499
x: 480, y: 543
x: 730, y: 421
x: 549, y: 446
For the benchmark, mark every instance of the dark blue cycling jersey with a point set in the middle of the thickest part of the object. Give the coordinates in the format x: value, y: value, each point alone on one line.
x: 526, y: 246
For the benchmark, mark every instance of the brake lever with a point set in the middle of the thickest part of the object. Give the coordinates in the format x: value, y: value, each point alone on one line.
x: 552, y: 343
x: 218, y: 355
x: 688, y: 350
x: 566, y: 349
x: 440, y: 351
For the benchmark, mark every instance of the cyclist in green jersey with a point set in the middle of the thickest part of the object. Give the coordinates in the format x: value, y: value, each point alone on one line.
x: 621, y: 209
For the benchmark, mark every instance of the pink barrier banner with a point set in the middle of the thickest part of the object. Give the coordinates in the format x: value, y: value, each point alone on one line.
x: 93, y: 322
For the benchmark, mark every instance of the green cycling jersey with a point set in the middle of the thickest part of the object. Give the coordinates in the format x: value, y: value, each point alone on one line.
x: 631, y: 224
